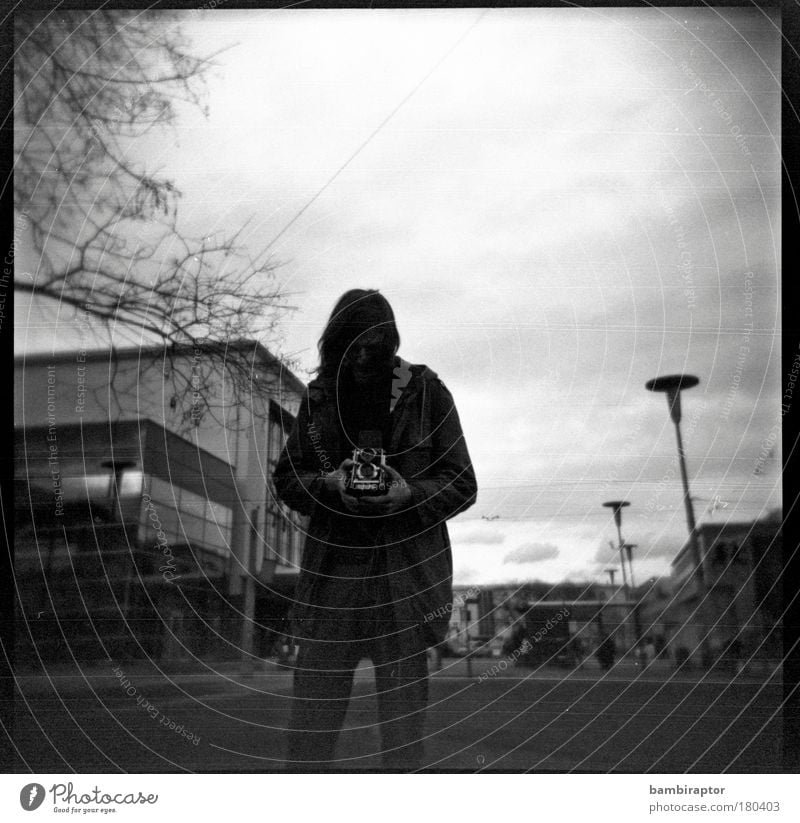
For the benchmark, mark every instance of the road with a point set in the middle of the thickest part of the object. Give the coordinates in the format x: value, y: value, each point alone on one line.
x: 134, y: 719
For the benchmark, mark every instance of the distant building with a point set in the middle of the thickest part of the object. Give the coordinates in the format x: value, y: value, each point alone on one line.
x: 137, y: 535
x: 618, y: 615
x: 655, y: 600
x: 489, y: 618
x: 743, y: 565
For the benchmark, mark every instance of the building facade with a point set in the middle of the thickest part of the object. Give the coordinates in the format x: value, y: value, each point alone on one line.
x: 490, y: 620
x: 736, y: 607
x: 137, y: 534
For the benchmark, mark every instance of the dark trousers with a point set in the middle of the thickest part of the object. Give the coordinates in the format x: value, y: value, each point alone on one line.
x: 360, y: 626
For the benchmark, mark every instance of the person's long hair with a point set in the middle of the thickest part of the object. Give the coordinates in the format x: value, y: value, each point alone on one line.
x: 356, y: 311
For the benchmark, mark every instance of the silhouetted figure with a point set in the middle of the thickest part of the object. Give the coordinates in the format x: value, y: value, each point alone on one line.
x: 606, y: 652
x: 578, y: 651
x: 378, y: 462
x: 648, y: 652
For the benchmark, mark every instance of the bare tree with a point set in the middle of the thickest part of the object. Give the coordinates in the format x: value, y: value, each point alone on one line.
x: 90, y: 88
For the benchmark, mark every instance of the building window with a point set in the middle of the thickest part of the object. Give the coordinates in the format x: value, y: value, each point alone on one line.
x: 185, y: 517
x: 724, y: 552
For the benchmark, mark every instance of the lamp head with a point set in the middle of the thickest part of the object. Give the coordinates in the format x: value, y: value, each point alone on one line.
x: 618, y: 506
x: 672, y: 385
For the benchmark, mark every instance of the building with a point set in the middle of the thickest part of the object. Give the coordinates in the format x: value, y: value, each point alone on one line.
x: 655, y: 599
x: 488, y: 619
x: 618, y: 616
x: 142, y: 527
x: 741, y: 605
x: 468, y: 621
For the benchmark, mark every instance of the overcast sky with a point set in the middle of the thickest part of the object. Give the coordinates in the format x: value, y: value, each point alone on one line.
x: 560, y: 204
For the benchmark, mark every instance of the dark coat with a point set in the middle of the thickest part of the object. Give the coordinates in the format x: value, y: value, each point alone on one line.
x: 427, y: 448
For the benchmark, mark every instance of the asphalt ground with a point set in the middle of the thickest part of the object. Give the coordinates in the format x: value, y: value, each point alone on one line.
x: 230, y: 717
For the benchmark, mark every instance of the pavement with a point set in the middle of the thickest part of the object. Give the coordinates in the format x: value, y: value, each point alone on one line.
x: 223, y: 674
x: 228, y: 716
x: 623, y: 670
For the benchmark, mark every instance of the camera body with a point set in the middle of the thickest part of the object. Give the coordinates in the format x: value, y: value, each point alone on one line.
x: 368, y: 475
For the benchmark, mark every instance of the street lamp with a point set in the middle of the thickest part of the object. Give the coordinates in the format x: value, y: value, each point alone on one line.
x: 467, y: 602
x: 637, y: 623
x: 117, y: 475
x: 672, y: 385
x: 629, y: 547
x: 618, y: 506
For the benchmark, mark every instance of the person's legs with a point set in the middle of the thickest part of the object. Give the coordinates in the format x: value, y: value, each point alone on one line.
x: 323, y: 679
x: 402, y: 690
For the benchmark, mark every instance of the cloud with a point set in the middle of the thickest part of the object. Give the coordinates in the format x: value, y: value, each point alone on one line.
x: 463, y: 575
x: 581, y: 224
x: 532, y: 553
x: 482, y: 537
x: 651, y: 558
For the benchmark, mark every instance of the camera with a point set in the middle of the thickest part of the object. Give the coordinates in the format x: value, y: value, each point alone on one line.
x: 368, y: 475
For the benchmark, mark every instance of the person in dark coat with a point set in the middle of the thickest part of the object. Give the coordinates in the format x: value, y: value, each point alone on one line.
x: 606, y: 652
x: 376, y: 575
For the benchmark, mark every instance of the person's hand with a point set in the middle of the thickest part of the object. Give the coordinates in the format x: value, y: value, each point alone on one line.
x: 336, y: 483
x: 398, y: 497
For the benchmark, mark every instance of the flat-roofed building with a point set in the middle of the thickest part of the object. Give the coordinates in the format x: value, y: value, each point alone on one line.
x: 739, y: 610
x: 143, y: 528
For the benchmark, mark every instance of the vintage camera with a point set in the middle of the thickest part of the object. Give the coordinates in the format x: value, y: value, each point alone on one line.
x: 368, y: 475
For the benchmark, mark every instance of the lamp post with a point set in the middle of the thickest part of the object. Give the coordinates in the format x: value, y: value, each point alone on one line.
x: 118, y: 469
x: 611, y: 573
x: 629, y: 547
x: 672, y: 385
x: 467, y: 602
x: 618, y: 506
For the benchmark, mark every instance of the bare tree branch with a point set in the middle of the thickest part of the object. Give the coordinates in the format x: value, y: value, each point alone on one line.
x: 88, y: 87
